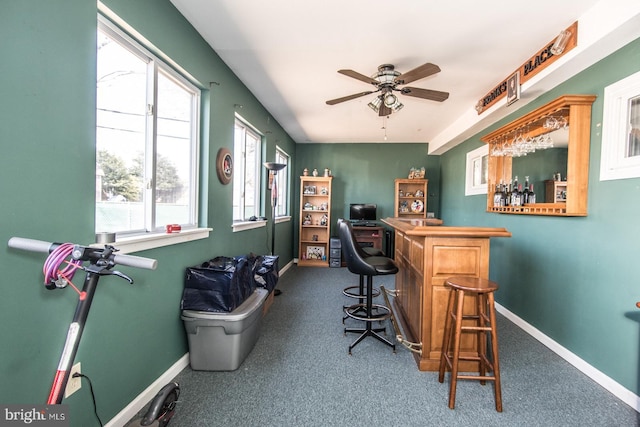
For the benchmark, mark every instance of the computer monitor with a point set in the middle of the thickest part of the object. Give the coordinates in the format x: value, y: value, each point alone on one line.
x: 363, y: 212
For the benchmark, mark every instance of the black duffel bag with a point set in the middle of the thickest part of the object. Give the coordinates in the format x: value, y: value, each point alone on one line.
x: 218, y: 285
x: 266, y: 271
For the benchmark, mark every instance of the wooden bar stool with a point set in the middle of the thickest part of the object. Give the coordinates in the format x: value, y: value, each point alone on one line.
x: 484, y: 321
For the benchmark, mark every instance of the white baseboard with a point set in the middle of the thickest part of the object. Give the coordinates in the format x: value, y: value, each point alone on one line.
x: 285, y: 268
x: 615, y: 388
x: 130, y: 411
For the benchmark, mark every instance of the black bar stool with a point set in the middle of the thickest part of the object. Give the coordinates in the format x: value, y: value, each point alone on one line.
x: 484, y: 321
x: 366, y: 266
x: 359, y: 291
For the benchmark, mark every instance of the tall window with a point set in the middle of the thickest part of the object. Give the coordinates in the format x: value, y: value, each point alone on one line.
x: 282, y: 208
x: 146, y: 136
x: 246, y: 176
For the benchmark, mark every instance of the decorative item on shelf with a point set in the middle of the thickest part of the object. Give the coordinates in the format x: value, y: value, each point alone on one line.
x: 305, y: 172
x: 400, y: 193
x: 323, y: 206
x: 310, y: 189
x: 326, y: 172
x: 314, y: 238
x: 324, y: 219
x: 404, y: 206
x: 224, y: 165
x: 308, y: 206
x: 415, y: 173
x: 315, y: 252
x: 417, y: 206
x: 307, y: 219
x: 419, y: 193
x: 324, y: 191
x: 315, y: 172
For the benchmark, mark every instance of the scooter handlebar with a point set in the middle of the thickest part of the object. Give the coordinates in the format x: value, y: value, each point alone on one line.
x: 46, y: 247
x: 30, y: 244
x: 135, y: 261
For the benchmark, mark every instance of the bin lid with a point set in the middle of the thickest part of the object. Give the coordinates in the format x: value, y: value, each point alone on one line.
x: 244, y: 310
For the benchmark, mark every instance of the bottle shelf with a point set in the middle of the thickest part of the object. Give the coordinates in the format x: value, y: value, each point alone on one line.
x: 555, y: 209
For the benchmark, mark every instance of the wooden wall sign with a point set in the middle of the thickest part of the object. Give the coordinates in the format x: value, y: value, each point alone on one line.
x: 538, y: 62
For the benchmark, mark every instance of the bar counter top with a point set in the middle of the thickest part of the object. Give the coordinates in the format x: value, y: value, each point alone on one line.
x: 433, y: 227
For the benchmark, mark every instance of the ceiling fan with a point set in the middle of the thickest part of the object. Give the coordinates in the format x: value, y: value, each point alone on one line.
x: 387, y: 80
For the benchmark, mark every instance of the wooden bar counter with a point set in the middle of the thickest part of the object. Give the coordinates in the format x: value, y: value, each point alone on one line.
x: 427, y: 253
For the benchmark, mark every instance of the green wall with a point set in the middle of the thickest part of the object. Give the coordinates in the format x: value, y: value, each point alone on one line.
x: 47, y: 180
x: 365, y: 173
x: 572, y: 278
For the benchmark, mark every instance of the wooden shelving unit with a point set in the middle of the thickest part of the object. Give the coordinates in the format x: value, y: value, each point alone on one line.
x: 315, y: 221
x: 555, y: 191
x: 576, y: 110
x: 411, y: 198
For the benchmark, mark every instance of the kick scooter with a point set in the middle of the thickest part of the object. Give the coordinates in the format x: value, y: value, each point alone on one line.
x: 63, y: 261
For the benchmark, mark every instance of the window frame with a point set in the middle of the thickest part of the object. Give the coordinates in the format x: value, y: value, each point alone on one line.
x: 473, y: 157
x: 154, y: 235
x: 283, y: 210
x: 614, y: 164
x: 240, y: 166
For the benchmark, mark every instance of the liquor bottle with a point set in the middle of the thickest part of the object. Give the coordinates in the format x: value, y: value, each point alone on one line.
x: 525, y: 192
x: 520, y: 195
x: 503, y: 194
x: 497, y: 196
x: 532, y: 196
x: 509, y: 194
x: 515, y: 200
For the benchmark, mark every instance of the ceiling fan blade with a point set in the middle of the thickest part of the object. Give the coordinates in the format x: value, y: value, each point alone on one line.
x: 358, y: 76
x: 384, y: 110
x: 347, y: 98
x: 433, y: 95
x: 425, y: 70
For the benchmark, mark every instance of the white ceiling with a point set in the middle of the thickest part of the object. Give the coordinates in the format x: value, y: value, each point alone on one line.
x: 287, y: 52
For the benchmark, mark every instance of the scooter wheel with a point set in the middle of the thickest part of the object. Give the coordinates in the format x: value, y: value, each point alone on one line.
x: 162, y: 407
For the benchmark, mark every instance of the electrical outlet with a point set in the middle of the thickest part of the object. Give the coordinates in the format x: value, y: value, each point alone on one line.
x: 73, y: 384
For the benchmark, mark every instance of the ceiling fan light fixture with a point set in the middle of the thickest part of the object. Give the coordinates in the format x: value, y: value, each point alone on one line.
x: 392, y: 101
x: 375, y: 104
x: 397, y: 106
x: 386, y: 74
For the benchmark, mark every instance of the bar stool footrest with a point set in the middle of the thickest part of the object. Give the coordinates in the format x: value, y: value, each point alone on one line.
x: 382, y: 312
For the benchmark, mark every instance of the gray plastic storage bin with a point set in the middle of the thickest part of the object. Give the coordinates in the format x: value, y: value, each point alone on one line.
x: 221, y: 341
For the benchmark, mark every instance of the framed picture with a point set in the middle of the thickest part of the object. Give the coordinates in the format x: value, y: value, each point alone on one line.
x: 513, y: 88
x: 309, y: 189
x: 224, y: 165
x: 315, y: 252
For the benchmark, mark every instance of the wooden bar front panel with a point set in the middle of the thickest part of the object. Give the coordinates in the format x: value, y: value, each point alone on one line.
x: 425, y: 263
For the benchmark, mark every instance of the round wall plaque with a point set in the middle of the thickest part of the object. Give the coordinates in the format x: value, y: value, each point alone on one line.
x: 224, y: 165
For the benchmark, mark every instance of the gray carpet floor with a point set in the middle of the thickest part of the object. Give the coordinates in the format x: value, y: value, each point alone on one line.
x: 299, y: 374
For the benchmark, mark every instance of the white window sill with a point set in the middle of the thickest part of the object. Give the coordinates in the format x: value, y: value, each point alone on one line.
x: 248, y: 225
x: 157, y: 240
x: 282, y: 219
